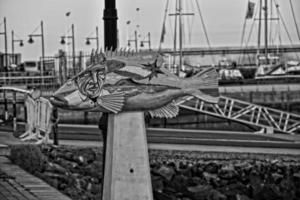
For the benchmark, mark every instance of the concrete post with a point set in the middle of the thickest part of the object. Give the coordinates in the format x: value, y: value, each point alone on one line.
x: 127, y: 170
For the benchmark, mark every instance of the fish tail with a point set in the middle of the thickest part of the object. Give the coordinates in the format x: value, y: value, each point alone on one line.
x: 204, y: 85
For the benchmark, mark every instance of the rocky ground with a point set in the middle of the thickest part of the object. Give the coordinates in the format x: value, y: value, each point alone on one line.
x: 176, y: 175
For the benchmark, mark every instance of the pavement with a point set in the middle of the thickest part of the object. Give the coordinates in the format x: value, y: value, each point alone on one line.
x: 17, y: 184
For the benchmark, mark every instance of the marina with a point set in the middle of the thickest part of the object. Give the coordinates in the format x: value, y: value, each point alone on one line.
x: 162, y: 100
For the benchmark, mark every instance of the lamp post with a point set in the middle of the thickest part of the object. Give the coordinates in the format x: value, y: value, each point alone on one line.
x: 147, y: 41
x: 5, y: 44
x: 135, y: 40
x: 72, y: 37
x: 30, y: 41
x: 93, y: 38
x: 13, y: 45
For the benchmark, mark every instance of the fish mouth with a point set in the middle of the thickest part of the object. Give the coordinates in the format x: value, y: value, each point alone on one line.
x: 59, y: 101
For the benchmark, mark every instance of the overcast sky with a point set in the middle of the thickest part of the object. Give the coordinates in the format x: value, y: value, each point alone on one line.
x: 223, y: 20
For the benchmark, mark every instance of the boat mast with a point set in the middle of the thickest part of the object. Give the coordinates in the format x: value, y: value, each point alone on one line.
x: 266, y: 31
x: 180, y: 37
x: 259, y: 33
x: 175, y: 34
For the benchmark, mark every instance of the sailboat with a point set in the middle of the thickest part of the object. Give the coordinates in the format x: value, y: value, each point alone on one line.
x: 272, y: 65
x: 177, y: 63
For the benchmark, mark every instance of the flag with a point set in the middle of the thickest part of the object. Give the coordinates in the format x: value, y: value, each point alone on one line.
x: 68, y: 14
x: 128, y: 22
x: 250, y: 10
x: 162, y: 38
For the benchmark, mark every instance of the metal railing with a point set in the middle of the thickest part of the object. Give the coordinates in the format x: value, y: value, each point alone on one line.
x: 247, y: 113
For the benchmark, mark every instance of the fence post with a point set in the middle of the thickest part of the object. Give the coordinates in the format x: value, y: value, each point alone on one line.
x: 14, y: 111
x: 54, y: 120
x: 5, y: 106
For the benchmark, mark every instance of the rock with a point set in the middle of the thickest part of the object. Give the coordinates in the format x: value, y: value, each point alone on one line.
x: 206, y: 192
x: 162, y: 196
x: 85, y: 156
x: 157, y: 183
x: 296, y: 175
x: 166, y: 172
x: 277, y: 178
x: 212, y: 168
x: 53, y: 167
x: 210, y: 177
x: 227, y: 172
x: 242, y: 197
x: 93, y: 170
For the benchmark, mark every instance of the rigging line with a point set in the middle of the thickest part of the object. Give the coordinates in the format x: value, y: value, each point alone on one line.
x: 204, y: 29
x: 163, y: 31
x: 250, y: 34
x: 243, y: 34
x: 294, y: 17
x: 285, y: 28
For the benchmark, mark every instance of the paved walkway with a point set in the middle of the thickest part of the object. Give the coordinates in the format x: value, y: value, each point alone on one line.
x: 17, y: 184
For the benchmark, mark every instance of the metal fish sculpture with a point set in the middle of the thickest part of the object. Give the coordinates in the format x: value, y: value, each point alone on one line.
x: 119, y: 85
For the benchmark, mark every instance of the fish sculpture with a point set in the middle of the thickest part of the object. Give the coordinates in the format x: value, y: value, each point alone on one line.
x: 119, y: 83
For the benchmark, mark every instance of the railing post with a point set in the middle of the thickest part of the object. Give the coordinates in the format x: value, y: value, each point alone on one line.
x: 55, y: 125
x: 14, y: 111
x: 5, y: 106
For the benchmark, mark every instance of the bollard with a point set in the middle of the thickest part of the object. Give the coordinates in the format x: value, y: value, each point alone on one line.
x: 14, y: 112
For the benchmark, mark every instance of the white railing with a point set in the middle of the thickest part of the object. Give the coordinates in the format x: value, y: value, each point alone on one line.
x: 266, y: 118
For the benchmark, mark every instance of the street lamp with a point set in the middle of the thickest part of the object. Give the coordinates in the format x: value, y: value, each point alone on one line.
x: 13, y: 45
x: 93, y: 38
x: 147, y: 41
x: 72, y: 37
x: 5, y: 44
x: 135, y: 40
x: 30, y: 41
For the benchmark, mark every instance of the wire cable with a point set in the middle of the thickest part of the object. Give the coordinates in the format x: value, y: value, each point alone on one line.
x: 204, y: 29
x: 294, y: 17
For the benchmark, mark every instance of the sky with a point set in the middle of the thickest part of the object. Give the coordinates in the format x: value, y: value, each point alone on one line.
x: 223, y: 21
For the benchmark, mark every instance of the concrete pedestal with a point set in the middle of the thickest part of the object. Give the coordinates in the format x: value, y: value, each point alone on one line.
x: 127, y: 170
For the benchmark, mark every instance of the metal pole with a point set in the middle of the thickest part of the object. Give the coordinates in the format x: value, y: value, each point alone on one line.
x: 149, y: 40
x: 266, y: 31
x: 43, y: 52
x: 175, y: 35
x: 14, y: 111
x: 259, y: 32
x: 73, y: 49
x: 5, y: 106
x: 135, y: 41
x: 110, y: 24
x: 97, y: 38
x: 5, y: 40
x: 12, y: 47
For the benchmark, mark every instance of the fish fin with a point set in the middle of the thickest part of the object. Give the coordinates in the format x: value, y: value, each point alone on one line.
x: 113, y: 102
x: 167, y: 111
x: 204, y: 85
x: 205, y: 97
